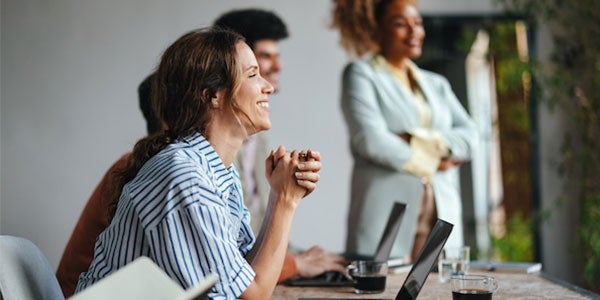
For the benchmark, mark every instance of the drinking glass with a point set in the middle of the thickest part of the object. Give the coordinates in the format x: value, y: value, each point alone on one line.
x: 473, y: 287
x: 453, y: 261
x: 369, y: 276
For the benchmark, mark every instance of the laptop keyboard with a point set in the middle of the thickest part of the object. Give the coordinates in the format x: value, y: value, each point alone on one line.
x: 332, y: 276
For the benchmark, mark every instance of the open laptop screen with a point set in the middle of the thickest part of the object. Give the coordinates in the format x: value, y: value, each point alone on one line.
x: 390, y: 232
x: 335, y: 279
x: 425, y: 260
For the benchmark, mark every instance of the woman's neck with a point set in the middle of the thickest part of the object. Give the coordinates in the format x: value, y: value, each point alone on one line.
x: 225, y: 139
x: 396, y: 61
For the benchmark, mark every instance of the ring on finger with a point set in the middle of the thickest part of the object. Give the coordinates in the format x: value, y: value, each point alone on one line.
x: 303, y: 156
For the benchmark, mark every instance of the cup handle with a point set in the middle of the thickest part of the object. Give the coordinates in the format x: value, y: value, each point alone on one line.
x: 349, y: 269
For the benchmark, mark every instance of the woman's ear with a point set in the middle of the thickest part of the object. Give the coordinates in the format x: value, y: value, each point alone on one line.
x: 216, y: 100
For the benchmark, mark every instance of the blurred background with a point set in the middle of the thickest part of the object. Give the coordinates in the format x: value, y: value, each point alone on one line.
x: 528, y: 76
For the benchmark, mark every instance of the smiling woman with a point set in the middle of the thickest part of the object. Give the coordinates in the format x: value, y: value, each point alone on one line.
x: 408, y: 131
x: 179, y: 199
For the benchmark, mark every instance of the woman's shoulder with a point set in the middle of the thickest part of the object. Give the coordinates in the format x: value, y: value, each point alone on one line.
x: 172, y: 162
x: 362, y: 65
x: 171, y: 169
x: 432, y: 77
x: 363, y: 62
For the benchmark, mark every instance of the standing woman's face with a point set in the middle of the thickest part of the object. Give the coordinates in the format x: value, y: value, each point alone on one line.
x: 253, y: 95
x: 401, y: 31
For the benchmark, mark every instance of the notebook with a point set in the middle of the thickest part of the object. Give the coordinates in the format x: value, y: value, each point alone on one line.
x: 422, y: 266
x: 143, y: 279
x: 506, y: 267
x: 382, y: 253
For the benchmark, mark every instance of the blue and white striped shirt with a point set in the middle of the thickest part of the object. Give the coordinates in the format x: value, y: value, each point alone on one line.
x: 184, y: 210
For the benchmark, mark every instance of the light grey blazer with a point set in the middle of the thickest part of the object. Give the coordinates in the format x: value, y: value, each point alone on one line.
x: 376, y: 107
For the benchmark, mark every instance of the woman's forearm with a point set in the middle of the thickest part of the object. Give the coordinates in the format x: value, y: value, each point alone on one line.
x: 268, y: 253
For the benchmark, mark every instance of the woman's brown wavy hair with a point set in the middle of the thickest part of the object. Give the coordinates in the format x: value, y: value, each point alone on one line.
x: 190, y: 73
x: 358, y: 23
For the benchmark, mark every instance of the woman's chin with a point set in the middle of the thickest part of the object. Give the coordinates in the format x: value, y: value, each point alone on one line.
x: 259, y: 128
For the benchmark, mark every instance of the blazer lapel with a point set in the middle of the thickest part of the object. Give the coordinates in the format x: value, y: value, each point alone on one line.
x: 393, y: 88
x: 428, y: 93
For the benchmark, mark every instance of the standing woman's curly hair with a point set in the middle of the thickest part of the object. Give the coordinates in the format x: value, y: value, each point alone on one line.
x: 190, y: 73
x: 358, y: 22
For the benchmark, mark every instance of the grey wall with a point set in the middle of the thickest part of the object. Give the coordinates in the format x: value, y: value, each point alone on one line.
x: 561, y: 211
x: 69, y: 73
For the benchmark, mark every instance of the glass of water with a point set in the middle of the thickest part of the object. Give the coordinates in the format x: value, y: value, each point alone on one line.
x: 453, y: 261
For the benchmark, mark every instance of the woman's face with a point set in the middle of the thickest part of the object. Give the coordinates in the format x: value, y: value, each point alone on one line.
x: 401, y: 30
x: 253, y: 95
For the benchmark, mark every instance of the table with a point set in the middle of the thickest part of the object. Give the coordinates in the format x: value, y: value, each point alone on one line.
x: 510, y: 286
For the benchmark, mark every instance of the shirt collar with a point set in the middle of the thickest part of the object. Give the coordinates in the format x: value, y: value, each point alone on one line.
x: 378, y: 61
x: 223, y: 176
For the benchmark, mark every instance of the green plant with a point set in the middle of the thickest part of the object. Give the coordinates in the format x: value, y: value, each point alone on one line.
x: 589, y: 231
x: 512, y: 73
x: 516, y: 242
x: 570, y: 82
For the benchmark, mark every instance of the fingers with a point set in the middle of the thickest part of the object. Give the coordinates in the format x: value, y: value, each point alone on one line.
x: 329, y: 260
x: 307, y: 164
x: 405, y: 136
x: 310, y: 155
x: 308, y: 185
x: 313, y: 155
x: 316, y: 260
x: 335, y: 262
x: 447, y: 163
x: 308, y: 170
x: 338, y: 267
x: 269, y: 163
x: 279, y: 153
x: 302, y: 156
x: 310, y: 175
x: 310, y: 166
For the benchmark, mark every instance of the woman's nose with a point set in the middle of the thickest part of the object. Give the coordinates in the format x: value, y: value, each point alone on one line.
x: 267, y: 87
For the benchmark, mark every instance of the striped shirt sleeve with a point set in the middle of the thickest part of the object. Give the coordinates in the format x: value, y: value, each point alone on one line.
x: 198, y: 237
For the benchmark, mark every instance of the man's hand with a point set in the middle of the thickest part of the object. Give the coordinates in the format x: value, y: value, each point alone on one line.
x: 316, y: 261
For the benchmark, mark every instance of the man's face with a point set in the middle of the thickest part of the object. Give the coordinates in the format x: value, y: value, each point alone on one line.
x: 267, y: 56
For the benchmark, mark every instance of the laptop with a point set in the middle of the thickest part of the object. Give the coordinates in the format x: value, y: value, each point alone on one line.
x: 382, y: 253
x: 143, y: 279
x: 425, y: 261
x: 422, y: 266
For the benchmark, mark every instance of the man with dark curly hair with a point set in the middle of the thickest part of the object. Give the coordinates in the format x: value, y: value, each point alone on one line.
x: 263, y: 30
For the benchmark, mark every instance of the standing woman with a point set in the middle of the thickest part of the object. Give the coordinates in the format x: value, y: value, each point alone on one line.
x: 179, y: 200
x: 407, y: 129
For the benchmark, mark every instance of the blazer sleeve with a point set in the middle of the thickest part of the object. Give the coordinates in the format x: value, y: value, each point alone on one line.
x: 370, y: 137
x: 462, y: 135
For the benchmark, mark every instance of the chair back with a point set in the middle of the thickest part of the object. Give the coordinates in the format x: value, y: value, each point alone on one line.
x: 25, y: 272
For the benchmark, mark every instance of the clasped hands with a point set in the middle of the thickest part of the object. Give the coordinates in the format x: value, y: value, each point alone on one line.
x: 446, y: 162
x: 298, y: 167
